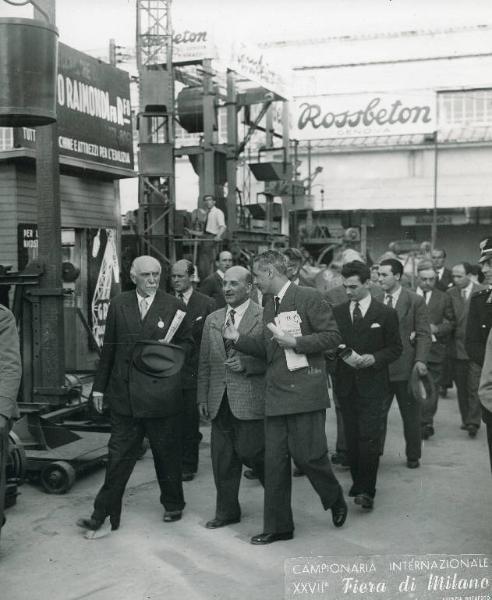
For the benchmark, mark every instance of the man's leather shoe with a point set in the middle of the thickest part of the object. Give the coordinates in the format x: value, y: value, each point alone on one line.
x: 269, y: 538
x: 298, y: 472
x: 188, y: 476
x: 364, y: 501
x: 216, y: 523
x: 172, y: 515
x: 250, y: 474
x: 413, y: 464
x: 339, y: 511
x: 353, y: 492
x: 115, y: 522
x: 91, y: 523
x: 472, y: 430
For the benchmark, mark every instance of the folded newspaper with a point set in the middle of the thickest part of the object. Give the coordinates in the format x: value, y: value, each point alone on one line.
x: 175, y: 323
x: 290, y: 322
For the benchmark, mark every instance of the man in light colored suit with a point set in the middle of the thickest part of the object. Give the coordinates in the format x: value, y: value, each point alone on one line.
x: 296, y: 394
x: 231, y: 388
x: 415, y: 333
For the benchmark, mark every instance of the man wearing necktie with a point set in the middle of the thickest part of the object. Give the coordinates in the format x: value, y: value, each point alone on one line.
x: 466, y: 372
x: 231, y: 389
x: 296, y: 397
x: 370, y: 329
x: 413, y: 319
x: 143, y: 314
x: 442, y: 323
x: 198, y: 307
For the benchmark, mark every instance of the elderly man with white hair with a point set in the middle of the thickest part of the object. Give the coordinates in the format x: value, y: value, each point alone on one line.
x: 139, y: 407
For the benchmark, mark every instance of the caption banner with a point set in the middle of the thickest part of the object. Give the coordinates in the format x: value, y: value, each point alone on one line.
x: 405, y: 577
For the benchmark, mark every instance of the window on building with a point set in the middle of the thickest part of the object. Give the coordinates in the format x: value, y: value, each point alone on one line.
x: 6, y: 138
x: 469, y: 107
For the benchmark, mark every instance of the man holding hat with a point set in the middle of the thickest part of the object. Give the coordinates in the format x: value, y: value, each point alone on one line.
x: 231, y: 389
x: 139, y: 380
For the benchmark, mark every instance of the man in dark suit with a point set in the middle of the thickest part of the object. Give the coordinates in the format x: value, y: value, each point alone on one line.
x: 10, y: 378
x: 370, y: 329
x: 442, y: 322
x: 298, y: 329
x: 231, y: 392
x: 480, y: 315
x: 198, y: 307
x: 413, y: 318
x: 335, y: 296
x: 466, y: 371
x: 444, y: 277
x: 144, y: 314
x: 212, y: 285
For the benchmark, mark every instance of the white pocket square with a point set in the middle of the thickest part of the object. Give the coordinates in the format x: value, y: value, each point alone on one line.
x: 198, y: 319
x: 375, y: 325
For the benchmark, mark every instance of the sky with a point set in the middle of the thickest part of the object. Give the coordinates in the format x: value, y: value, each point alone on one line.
x: 89, y: 24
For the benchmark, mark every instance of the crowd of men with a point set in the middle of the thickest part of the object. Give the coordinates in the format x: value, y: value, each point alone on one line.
x: 251, y: 351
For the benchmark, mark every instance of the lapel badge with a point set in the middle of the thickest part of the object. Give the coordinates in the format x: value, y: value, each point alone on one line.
x: 160, y: 323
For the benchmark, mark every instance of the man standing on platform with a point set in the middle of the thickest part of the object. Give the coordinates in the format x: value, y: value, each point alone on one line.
x: 212, y: 285
x: 369, y: 329
x: 10, y: 378
x: 442, y: 322
x: 415, y: 334
x: 231, y: 390
x: 213, y: 231
x: 198, y: 307
x: 298, y: 328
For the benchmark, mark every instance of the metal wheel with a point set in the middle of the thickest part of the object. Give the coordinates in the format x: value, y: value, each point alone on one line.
x: 58, y: 477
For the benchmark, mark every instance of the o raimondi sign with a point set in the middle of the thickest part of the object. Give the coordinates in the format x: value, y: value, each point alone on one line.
x: 93, y: 111
x: 403, y: 577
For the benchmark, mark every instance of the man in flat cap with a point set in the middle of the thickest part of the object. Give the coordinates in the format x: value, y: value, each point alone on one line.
x: 142, y: 402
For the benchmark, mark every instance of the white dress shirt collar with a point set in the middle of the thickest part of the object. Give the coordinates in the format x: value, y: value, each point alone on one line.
x: 282, y: 291
x: 395, y: 295
x: 186, y: 295
x: 364, y: 305
x: 238, y: 312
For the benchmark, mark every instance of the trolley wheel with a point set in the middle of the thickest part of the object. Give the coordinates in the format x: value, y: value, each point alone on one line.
x: 58, y: 477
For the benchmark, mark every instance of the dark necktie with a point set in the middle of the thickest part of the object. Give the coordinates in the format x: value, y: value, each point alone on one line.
x: 389, y: 300
x: 229, y: 344
x: 356, y: 315
x: 426, y: 295
x: 277, y: 305
x: 181, y: 296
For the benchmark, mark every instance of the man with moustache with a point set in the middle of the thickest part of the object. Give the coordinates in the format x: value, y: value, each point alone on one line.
x: 198, y: 307
x: 231, y: 388
x: 296, y: 394
x: 141, y: 315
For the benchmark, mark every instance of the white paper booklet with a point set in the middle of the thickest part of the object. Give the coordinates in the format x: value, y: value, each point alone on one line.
x: 290, y: 322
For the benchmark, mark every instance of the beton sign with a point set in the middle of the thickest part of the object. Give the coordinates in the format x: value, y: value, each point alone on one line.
x: 363, y: 115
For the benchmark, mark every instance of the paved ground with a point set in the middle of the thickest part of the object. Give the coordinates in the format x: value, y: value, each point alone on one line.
x: 443, y: 507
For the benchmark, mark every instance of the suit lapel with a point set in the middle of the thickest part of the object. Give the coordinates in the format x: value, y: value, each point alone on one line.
x: 249, y: 320
x: 218, y: 319
x: 132, y: 312
x: 402, y: 304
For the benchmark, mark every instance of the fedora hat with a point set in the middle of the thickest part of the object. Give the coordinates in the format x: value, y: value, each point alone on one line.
x: 158, y: 359
x: 422, y: 387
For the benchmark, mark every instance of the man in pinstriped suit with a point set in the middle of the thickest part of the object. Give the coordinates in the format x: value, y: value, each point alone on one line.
x: 231, y: 392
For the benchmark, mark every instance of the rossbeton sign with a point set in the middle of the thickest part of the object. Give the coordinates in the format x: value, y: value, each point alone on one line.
x: 364, y: 115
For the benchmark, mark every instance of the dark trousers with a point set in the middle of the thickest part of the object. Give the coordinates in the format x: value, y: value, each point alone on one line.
x: 428, y: 412
x: 410, y: 414
x: 363, y: 420
x: 489, y: 441
x: 4, y: 451
x: 191, y: 431
x: 341, y: 443
x: 234, y: 443
x: 467, y: 379
x: 302, y: 437
x: 127, y: 433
